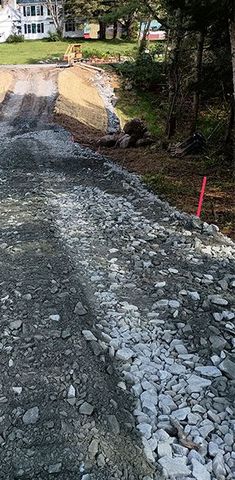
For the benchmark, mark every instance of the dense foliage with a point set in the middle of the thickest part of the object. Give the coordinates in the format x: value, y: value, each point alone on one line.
x: 197, y: 65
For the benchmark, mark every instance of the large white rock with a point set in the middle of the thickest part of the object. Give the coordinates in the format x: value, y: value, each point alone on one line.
x: 196, y: 384
x: 175, y: 466
x: 125, y: 354
x: 209, y: 371
x: 199, y: 471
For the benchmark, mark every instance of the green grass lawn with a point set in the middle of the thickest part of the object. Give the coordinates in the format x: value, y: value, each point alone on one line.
x: 32, y: 51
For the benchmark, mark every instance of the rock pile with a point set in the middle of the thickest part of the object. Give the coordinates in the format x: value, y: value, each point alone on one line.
x: 134, y: 134
x: 162, y: 293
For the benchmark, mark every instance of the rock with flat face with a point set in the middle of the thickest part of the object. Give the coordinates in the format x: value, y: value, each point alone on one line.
x: 208, y: 371
x: 176, y: 466
x: 196, y: 384
x: 31, y: 416
x: 200, y: 472
x: 125, y: 354
x: 228, y: 368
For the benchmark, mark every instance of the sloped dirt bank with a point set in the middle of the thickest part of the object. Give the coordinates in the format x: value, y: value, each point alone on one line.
x: 79, y: 98
x: 6, y: 80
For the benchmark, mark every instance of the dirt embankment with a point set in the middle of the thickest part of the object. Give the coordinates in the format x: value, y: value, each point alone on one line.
x: 6, y: 81
x: 79, y: 99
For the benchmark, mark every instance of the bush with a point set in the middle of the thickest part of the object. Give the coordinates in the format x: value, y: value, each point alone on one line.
x: 144, y: 73
x: 15, y: 38
x: 53, y: 37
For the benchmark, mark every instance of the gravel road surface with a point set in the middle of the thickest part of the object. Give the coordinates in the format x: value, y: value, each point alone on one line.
x: 117, y: 314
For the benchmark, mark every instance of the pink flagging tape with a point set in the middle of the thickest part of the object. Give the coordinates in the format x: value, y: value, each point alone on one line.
x: 201, y: 198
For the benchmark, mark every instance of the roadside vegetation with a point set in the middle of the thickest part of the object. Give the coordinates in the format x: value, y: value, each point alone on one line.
x: 34, y: 51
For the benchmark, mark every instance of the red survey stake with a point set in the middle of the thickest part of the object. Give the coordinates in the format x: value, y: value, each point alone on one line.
x: 199, y: 209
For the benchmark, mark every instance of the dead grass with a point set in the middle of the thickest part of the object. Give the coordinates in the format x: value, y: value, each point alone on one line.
x: 79, y: 99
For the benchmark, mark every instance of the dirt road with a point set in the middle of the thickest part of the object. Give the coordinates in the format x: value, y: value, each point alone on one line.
x: 116, y: 314
x: 46, y: 363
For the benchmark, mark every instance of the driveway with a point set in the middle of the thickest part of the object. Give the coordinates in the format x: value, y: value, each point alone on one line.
x: 117, y: 314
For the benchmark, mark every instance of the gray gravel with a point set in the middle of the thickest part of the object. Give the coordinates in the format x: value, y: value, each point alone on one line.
x: 143, y: 298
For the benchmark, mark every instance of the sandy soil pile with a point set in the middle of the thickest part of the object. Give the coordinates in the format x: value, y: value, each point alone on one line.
x: 79, y: 98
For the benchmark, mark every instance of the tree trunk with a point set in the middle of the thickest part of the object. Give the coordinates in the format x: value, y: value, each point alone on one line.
x: 143, y: 42
x: 198, y: 76
x: 102, y: 31
x: 232, y: 42
x: 174, y: 78
x: 115, y: 29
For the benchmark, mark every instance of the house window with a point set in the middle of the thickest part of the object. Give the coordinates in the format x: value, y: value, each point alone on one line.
x: 33, y: 27
x: 70, y: 26
x: 48, y: 12
x: 33, y: 10
x: 38, y: 10
x: 29, y: 28
x: 28, y: 11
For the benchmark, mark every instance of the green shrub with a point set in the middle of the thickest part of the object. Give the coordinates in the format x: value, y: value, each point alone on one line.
x: 53, y: 37
x: 144, y: 73
x: 14, y: 38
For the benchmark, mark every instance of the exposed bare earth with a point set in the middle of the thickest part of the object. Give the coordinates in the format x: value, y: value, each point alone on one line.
x: 79, y: 99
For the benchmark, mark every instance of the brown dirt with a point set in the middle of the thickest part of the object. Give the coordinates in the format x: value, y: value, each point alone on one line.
x: 6, y: 80
x: 178, y: 180
x: 79, y: 98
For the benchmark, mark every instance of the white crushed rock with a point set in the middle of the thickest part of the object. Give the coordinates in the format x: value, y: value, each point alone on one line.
x: 142, y: 313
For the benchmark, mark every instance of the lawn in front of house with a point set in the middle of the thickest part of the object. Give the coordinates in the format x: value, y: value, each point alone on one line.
x: 34, y: 51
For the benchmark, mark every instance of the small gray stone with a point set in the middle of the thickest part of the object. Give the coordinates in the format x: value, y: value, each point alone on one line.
x: 207, y: 428
x: 145, y: 429
x: 194, y: 296
x: 93, y: 448
x: 218, y: 343
x: 15, y: 325
x: 56, y: 468
x: 114, y: 424
x: 181, y: 413
x: 80, y: 309
x: 86, y: 409
x: 213, y: 449
x: 218, y: 466
x: 55, y: 318
x: 199, y: 471
x: 208, y: 371
x: 194, y: 455
x: 177, y: 369
x: 217, y: 300
x: 125, y: 354
x: 31, y: 416
x: 88, y: 335
x: 164, y: 449
x: 71, y: 392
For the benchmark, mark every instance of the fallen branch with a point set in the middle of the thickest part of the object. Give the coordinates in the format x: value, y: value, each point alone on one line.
x: 183, y: 439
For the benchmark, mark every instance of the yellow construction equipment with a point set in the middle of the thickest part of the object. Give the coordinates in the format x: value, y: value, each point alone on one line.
x: 73, y: 54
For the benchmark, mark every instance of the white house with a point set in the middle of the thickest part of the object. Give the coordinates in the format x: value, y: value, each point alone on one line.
x: 33, y: 20
x: 10, y: 20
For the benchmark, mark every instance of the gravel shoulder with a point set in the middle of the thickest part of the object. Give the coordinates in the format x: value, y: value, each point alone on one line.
x: 117, y: 327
